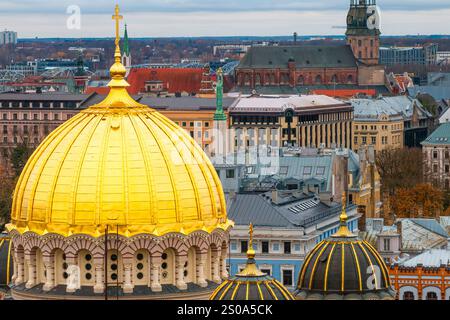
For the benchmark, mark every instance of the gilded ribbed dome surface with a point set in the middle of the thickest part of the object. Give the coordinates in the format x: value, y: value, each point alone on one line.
x: 118, y: 163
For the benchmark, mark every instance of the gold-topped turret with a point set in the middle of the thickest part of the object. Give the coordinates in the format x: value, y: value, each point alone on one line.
x: 251, y: 270
x: 343, y: 231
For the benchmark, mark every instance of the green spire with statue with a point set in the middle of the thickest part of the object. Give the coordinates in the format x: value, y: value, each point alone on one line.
x: 126, y: 47
x: 220, y: 114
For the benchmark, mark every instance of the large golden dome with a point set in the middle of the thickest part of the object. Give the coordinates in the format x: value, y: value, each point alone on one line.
x: 118, y: 163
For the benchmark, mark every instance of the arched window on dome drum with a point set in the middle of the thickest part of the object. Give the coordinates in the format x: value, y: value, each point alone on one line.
x: 190, y: 268
x: 141, y: 268
x: 168, y: 267
x: 87, y: 272
x: 318, y: 79
x: 60, y: 267
x: 115, y: 270
x: 408, y: 295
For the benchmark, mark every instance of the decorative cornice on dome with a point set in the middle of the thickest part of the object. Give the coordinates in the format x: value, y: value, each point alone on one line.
x: 118, y: 163
x: 251, y: 283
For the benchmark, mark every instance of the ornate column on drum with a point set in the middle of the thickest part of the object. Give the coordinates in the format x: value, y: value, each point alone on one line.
x: 31, y: 269
x: 127, y: 283
x: 19, y: 260
x: 215, y: 265
x: 201, y: 261
x: 99, y: 266
x: 155, y: 274
x: 180, y: 263
x: 49, y: 265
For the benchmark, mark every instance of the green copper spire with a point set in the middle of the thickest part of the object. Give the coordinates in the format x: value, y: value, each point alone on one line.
x: 126, y: 48
x: 219, y: 115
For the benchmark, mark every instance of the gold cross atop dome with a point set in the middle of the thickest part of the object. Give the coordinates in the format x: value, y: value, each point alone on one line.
x: 117, y: 17
x: 117, y: 70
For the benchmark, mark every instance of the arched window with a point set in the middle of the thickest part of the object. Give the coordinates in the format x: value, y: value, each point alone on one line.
x: 168, y: 267
x: 258, y: 79
x: 334, y: 78
x: 284, y: 78
x: 272, y: 79
x: 318, y: 79
x: 301, y: 80
x: 247, y: 79
x: 267, y: 79
x: 141, y: 267
x: 408, y: 295
x: 350, y: 79
x: 432, y: 296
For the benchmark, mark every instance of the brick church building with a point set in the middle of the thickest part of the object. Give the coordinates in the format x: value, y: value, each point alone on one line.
x: 298, y: 69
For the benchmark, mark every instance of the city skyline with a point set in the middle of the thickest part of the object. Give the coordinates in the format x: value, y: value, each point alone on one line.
x: 194, y: 18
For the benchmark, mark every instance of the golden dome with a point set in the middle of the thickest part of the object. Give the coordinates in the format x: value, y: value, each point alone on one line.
x: 118, y: 163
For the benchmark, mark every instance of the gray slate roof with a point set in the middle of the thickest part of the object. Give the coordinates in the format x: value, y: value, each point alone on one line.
x: 441, y: 136
x: 431, y: 225
x: 272, y: 57
x: 431, y: 258
x: 259, y: 210
x: 437, y: 92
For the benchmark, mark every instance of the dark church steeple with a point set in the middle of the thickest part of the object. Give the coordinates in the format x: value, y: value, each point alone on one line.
x: 363, y: 30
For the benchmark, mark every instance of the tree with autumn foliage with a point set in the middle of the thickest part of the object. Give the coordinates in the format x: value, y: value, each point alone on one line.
x: 423, y: 200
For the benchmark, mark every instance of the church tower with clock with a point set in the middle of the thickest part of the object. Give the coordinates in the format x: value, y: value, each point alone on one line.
x: 363, y: 30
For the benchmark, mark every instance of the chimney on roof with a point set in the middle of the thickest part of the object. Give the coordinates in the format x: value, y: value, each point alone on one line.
x: 275, y: 196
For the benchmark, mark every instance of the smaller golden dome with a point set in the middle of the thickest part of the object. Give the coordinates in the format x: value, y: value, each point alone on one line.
x: 251, y: 283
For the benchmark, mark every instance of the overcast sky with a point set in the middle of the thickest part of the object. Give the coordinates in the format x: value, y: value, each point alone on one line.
x: 162, y: 18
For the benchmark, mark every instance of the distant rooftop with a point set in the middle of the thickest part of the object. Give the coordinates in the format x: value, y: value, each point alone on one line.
x: 441, y: 136
x: 431, y: 258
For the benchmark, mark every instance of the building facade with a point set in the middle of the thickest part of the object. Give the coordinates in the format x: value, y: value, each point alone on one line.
x: 436, y: 155
x: 391, y: 122
x: 8, y: 37
x: 377, y: 124
x: 424, y: 277
x: 302, y: 121
x: 299, y: 68
x: 419, y: 55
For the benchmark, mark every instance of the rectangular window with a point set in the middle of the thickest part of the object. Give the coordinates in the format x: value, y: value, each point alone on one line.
x: 320, y: 171
x: 374, y: 140
x: 364, y: 140
x: 287, y: 248
x: 435, y: 154
x: 307, y: 170
x: 230, y: 174
x: 244, y: 246
x: 283, y: 170
x: 288, y: 279
x: 266, y: 271
x: 265, y: 247
x: 387, y: 245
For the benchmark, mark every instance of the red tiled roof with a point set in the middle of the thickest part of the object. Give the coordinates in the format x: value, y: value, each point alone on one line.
x: 174, y: 79
x: 344, y: 93
x: 99, y: 90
